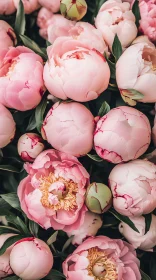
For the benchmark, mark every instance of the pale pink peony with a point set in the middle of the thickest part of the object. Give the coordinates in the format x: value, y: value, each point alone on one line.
x: 53, y: 193
x: 141, y: 240
x: 5, y: 268
x: 115, y: 17
x: 7, y: 126
x: 7, y: 35
x: 7, y: 7
x: 29, y: 146
x: 29, y: 5
x: 75, y: 71
x: 69, y: 128
x: 92, y: 223
x: 135, y: 70
x: 122, y: 134
x: 102, y: 258
x: 148, y: 18
x: 21, y: 78
x: 133, y: 185
x: 31, y: 258
x: 43, y: 18
x: 154, y: 130
x: 52, y: 5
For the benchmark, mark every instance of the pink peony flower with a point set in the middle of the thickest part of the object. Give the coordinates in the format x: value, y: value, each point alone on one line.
x: 141, y: 240
x: 31, y: 258
x: 71, y: 64
x: 7, y: 127
x: 43, y: 18
x: 133, y: 185
x: 69, y: 128
x: 7, y: 35
x: 53, y: 193
x: 148, y: 18
x: 5, y: 268
x: 115, y: 17
x: 30, y: 145
x: 131, y: 130
x: 29, y: 5
x: 102, y: 258
x: 154, y: 130
x: 21, y: 81
x: 7, y: 7
x: 92, y: 223
x: 52, y: 5
x: 140, y: 76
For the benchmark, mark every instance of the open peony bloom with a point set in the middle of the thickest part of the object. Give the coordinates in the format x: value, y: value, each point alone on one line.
x: 53, y: 193
x: 115, y: 17
x: 154, y: 131
x: 7, y: 7
x: 7, y: 127
x: 31, y: 258
x: 131, y: 130
x: 52, y: 5
x: 141, y: 240
x: 29, y: 5
x: 133, y: 185
x: 101, y: 258
x: 148, y: 18
x: 135, y: 78
x: 7, y: 35
x: 21, y: 81
x: 5, y: 268
x: 69, y: 128
x: 71, y: 64
x: 43, y: 18
x: 30, y: 145
x: 92, y: 223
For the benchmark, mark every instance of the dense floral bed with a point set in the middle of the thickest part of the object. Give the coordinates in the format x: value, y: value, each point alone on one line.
x: 77, y: 139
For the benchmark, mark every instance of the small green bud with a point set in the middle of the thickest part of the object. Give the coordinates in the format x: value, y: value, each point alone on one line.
x: 98, y: 198
x: 73, y: 9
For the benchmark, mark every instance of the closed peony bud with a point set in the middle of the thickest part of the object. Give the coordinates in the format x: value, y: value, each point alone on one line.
x: 7, y: 126
x: 7, y: 7
x: 31, y: 258
x: 122, y: 134
x: 133, y: 185
x: 98, y: 198
x: 5, y: 268
x: 29, y: 6
x: 69, y: 128
x: 91, y: 224
x: 74, y: 10
x: 7, y: 35
x: 30, y: 145
x: 51, y: 5
x: 141, y: 240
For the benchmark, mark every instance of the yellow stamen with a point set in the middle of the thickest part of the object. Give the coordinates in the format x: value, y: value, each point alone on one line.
x: 98, y: 257
x: 67, y: 202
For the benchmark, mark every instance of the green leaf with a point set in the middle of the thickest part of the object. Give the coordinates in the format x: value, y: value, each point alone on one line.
x: 20, y: 225
x: 54, y: 274
x: 9, y: 168
x: 6, y: 229
x: 144, y: 276
x: 95, y: 157
x: 33, y: 46
x: 117, y: 48
x: 52, y: 238
x: 4, y: 207
x: 10, y: 241
x: 39, y: 112
x: 32, y: 123
x: 135, y: 94
x: 12, y: 199
x: 67, y: 243
x: 20, y: 19
x: 112, y: 67
x: 124, y: 219
x: 13, y: 277
x: 33, y: 227
x: 136, y: 12
x: 105, y: 108
x: 148, y: 220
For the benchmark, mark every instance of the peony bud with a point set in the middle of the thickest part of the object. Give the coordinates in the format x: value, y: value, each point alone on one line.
x: 74, y: 10
x: 5, y: 268
x: 141, y: 240
x: 31, y: 258
x: 98, y: 198
x: 30, y: 145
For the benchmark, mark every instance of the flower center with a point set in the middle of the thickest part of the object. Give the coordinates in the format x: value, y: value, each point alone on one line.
x: 11, y: 68
x: 58, y: 193
x: 100, y: 266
